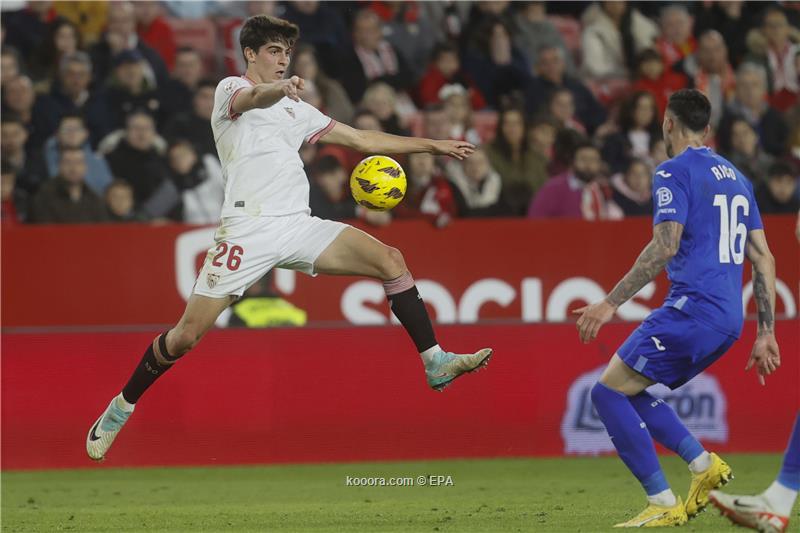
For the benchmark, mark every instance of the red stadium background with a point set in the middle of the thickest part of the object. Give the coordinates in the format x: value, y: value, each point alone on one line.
x: 330, y: 393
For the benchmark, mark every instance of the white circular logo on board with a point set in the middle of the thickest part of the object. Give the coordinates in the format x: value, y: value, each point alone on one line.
x: 664, y: 196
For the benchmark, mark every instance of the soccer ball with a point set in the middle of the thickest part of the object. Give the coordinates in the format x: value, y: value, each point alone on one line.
x: 378, y: 183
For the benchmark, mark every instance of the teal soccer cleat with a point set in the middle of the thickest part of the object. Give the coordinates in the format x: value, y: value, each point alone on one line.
x: 105, y: 430
x: 444, y: 367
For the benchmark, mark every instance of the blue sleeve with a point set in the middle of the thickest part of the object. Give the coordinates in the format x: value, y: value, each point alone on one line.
x: 670, y: 194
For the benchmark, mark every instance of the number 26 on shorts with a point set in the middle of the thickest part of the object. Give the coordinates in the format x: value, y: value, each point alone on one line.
x: 234, y: 257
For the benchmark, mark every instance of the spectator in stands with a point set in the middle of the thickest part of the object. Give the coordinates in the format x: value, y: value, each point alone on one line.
x: 542, y: 136
x: 676, y: 41
x: 335, y: 102
x: 26, y: 28
x: 551, y: 75
x: 381, y: 100
x: 478, y: 188
x: 29, y: 170
x: 522, y: 170
x: 89, y: 17
x: 409, y: 31
x: 561, y: 107
x: 730, y: 20
x: 429, y: 195
x: 14, y: 200
x: 62, y: 40
x: 779, y: 59
x: 119, y: 202
x: 652, y: 77
x: 564, y: 145
x: 638, y: 124
x: 321, y: 25
x: 153, y: 29
x: 195, y: 126
x: 130, y: 89
x: 742, y: 149
x: 533, y: 31
x: 72, y: 93
x: 632, y: 190
x: 445, y: 69
x: 576, y: 193
x: 10, y: 64
x: 38, y: 113
x: 709, y: 71
x: 120, y: 36
x: 371, y: 58
x: 751, y: 104
x: 437, y: 122
x: 474, y: 28
x: 72, y: 133
x: 780, y: 194
x: 197, y: 179
x: 496, y: 65
x: 176, y: 94
x: 136, y: 159
x: 66, y: 199
x: 459, y: 113
x: 613, y: 34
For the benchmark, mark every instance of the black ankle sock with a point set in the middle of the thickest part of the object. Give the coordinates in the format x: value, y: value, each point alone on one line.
x: 150, y: 368
x: 409, y: 308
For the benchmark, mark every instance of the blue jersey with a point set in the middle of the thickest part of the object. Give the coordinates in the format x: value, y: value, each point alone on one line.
x: 715, y: 204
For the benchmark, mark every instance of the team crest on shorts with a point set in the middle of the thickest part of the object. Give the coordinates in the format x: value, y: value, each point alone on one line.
x: 290, y: 111
x: 211, y: 280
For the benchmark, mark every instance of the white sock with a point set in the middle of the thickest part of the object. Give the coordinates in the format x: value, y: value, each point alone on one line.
x: 665, y: 498
x: 123, y: 404
x: 701, y: 463
x: 428, y: 354
x: 781, y: 498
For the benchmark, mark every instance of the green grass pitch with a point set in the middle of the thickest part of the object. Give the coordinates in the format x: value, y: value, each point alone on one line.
x: 547, y: 495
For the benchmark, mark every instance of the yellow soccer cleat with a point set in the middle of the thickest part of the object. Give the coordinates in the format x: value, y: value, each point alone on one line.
x: 659, y: 516
x: 718, y: 474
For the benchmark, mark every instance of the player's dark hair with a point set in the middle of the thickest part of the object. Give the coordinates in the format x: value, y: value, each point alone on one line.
x: 781, y: 168
x: 691, y: 108
x: 262, y: 29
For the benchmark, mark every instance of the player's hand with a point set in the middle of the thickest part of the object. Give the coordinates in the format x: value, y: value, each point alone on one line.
x: 592, y: 319
x: 457, y: 149
x: 766, y: 357
x: 291, y: 87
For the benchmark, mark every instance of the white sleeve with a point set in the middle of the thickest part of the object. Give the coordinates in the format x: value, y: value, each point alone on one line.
x: 224, y: 96
x: 317, y: 123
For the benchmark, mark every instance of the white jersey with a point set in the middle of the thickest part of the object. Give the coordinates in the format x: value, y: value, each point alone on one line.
x: 261, y: 166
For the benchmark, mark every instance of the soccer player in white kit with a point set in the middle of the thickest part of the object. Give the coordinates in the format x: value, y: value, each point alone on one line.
x: 259, y: 123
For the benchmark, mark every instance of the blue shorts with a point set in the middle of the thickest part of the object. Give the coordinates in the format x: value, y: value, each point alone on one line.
x: 670, y: 347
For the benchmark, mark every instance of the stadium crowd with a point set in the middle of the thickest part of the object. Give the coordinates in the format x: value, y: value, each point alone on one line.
x: 106, y: 105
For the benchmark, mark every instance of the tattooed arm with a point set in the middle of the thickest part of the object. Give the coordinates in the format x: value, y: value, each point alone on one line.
x: 765, y: 355
x: 658, y: 252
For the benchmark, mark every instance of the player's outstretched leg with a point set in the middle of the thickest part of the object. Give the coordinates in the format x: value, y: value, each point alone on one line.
x: 160, y: 355
x: 354, y: 252
x: 770, y: 510
x: 708, y: 470
x: 634, y: 444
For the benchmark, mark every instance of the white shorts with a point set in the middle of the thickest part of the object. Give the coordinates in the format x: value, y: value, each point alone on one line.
x: 246, y: 248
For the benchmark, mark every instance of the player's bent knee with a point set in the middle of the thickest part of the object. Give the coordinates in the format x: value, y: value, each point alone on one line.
x: 183, y: 339
x: 394, y: 265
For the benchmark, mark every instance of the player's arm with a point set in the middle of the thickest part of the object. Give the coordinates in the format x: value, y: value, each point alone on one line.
x: 765, y: 355
x: 266, y: 94
x: 368, y: 141
x: 655, y: 256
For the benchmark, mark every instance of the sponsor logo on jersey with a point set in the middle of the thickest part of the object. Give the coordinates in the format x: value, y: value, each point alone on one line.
x: 290, y: 111
x: 664, y: 196
x: 211, y: 280
x: 700, y: 404
x: 663, y: 174
x: 660, y: 347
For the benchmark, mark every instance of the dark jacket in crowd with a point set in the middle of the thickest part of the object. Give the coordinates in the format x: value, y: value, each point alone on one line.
x: 53, y: 205
x: 194, y: 129
x: 144, y: 170
x: 588, y: 110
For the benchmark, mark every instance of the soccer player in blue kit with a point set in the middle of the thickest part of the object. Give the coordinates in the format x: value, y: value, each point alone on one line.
x: 706, y: 221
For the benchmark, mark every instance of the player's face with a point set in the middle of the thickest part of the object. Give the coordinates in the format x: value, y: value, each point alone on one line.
x: 272, y: 61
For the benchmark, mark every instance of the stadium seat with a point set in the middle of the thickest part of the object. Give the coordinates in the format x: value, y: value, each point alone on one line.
x: 200, y: 34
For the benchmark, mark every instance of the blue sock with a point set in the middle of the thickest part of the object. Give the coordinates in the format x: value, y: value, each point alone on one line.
x: 789, y: 476
x: 665, y: 426
x: 630, y: 436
